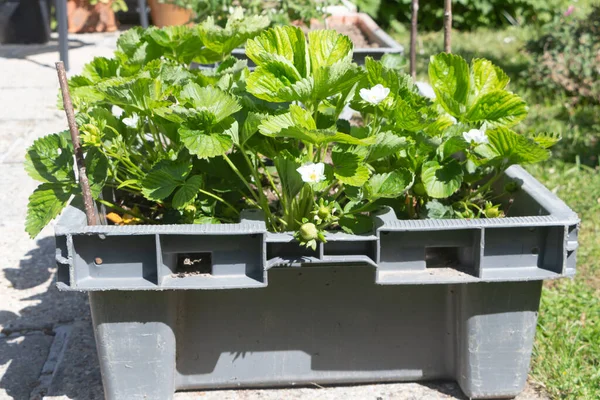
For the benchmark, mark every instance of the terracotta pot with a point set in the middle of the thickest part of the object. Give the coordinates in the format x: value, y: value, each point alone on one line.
x: 168, y: 14
x: 83, y: 17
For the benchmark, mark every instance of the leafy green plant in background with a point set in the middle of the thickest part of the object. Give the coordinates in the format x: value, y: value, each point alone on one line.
x: 169, y: 144
x: 115, y: 5
x: 467, y: 14
x: 280, y: 12
x: 566, y: 58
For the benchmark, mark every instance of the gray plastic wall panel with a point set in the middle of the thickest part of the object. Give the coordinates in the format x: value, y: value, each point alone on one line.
x: 316, y: 325
x: 494, y: 338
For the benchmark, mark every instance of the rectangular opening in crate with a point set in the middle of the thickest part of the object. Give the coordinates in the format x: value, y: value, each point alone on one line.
x: 534, y: 248
x: 100, y: 260
x: 366, y: 248
x: 435, y: 250
x: 211, y: 261
x: 193, y: 264
x: 289, y: 251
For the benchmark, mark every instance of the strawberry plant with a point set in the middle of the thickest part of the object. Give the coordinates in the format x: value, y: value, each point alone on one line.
x: 168, y: 144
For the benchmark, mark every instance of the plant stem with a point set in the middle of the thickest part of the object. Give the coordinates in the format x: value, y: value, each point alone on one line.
x: 221, y: 200
x: 90, y: 210
x: 239, y: 174
x: 487, y: 185
x: 270, y: 178
x: 413, y: 38
x: 262, y: 199
x: 447, y: 26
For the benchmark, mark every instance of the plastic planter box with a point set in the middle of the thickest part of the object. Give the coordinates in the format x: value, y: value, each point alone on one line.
x: 180, y: 307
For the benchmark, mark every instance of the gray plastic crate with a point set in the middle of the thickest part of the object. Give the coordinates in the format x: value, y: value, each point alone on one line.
x: 414, y: 300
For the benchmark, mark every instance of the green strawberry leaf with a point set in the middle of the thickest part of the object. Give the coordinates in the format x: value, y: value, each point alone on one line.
x: 386, y: 144
x: 436, y: 210
x: 50, y: 158
x: 101, y: 68
x: 485, y: 78
x: 441, y: 180
x: 349, y: 168
x: 291, y: 181
x: 187, y: 192
x: 546, y: 139
x: 449, y: 77
x: 179, y: 43
x: 513, y: 148
x: 389, y: 185
x: 328, y: 47
x: 451, y: 146
x: 164, y: 178
x: 213, y: 100
x: 223, y: 41
x: 45, y: 203
x: 96, y: 166
x: 275, y: 82
x: 141, y: 94
x: 356, y: 224
x: 498, y: 107
x: 208, y: 144
x: 285, y: 45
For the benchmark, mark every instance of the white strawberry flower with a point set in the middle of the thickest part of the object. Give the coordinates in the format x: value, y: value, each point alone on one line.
x: 312, y: 173
x: 132, y: 121
x: 477, y: 136
x: 425, y: 90
x: 375, y: 95
x: 117, y: 111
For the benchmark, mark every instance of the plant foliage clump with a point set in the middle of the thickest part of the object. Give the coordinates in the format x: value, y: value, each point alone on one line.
x: 467, y: 14
x: 566, y: 59
x: 168, y: 144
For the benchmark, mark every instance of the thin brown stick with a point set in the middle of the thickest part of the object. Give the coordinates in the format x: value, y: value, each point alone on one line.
x: 90, y: 211
x: 413, y: 39
x: 448, y: 26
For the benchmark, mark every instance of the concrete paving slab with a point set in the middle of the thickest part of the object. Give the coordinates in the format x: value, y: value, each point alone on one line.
x: 21, y: 361
x: 77, y: 375
x: 42, y: 127
x: 389, y: 391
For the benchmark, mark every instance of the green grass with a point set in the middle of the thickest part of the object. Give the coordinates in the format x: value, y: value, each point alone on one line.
x: 566, y: 359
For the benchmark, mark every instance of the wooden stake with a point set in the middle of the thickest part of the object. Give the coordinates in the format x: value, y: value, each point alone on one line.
x: 90, y: 211
x: 413, y: 39
x: 448, y: 26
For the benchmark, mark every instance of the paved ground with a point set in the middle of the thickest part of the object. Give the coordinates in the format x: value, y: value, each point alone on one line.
x: 47, y: 347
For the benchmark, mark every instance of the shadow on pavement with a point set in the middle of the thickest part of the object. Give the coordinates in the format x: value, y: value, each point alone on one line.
x: 36, y: 362
x: 26, y: 50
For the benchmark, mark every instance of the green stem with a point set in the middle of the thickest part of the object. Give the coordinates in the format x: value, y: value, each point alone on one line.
x: 221, y: 200
x: 270, y: 178
x: 483, y: 188
x: 262, y: 199
x: 339, y: 192
x: 239, y: 174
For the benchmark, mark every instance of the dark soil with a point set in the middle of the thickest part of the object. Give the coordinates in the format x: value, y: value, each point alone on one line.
x: 355, y: 34
x: 351, y: 30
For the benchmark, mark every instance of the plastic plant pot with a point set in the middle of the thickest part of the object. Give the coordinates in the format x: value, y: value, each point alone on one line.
x: 179, y: 307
